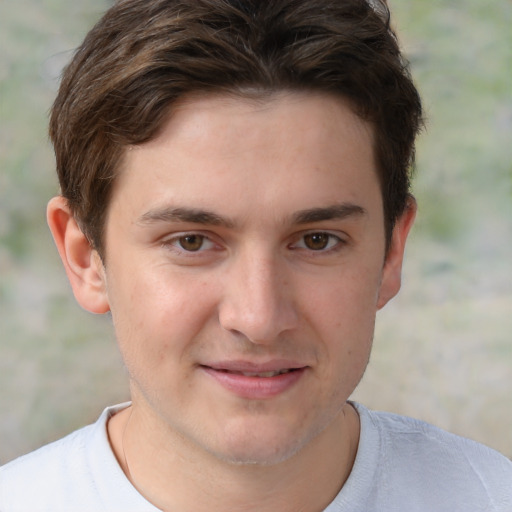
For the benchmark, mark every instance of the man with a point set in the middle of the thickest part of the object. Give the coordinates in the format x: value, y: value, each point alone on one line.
x: 235, y: 192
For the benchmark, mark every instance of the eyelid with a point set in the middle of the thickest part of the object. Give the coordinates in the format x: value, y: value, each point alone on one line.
x: 340, y: 241
x: 171, y: 242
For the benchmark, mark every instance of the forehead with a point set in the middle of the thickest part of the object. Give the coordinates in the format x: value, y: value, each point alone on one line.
x: 214, y: 149
x: 198, y: 115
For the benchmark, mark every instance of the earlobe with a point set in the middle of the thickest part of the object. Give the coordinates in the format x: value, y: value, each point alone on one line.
x: 392, y: 272
x: 82, y: 263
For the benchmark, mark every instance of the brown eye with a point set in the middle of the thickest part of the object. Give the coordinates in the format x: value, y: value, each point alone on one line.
x: 317, y: 241
x: 191, y: 242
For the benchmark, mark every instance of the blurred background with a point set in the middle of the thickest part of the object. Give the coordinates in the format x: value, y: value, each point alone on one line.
x: 443, y: 348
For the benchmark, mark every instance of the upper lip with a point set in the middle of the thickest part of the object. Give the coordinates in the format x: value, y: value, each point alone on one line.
x: 255, y: 367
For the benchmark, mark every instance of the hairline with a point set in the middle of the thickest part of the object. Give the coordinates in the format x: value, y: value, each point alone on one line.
x: 252, y: 95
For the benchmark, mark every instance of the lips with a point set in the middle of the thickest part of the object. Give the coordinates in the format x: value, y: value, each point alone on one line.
x: 256, y: 381
x: 263, y: 375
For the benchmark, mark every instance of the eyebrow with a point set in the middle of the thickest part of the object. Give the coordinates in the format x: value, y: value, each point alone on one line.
x: 336, y: 211
x: 192, y: 215
x: 205, y: 217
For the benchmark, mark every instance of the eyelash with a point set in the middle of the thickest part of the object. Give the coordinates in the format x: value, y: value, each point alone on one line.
x: 333, y: 243
x: 173, y: 243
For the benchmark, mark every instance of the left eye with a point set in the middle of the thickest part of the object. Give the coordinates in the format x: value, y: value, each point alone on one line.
x: 191, y: 242
x: 318, y: 241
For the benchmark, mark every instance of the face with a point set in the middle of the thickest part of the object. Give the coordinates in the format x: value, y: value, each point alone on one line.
x: 244, y: 267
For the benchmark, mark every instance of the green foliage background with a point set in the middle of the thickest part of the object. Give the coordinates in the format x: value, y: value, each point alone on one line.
x: 443, y: 349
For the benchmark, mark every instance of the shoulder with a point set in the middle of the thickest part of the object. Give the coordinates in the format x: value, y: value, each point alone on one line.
x: 416, y: 438
x: 61, y: 473
x: 418, y: 456
x: 48, y: 468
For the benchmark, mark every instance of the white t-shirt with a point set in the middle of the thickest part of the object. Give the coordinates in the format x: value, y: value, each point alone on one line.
x: 401, y: 465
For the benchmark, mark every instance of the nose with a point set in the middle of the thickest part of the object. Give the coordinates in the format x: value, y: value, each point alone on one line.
x: 258, y: 300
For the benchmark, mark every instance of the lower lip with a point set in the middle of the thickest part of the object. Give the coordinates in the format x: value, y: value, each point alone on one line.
x: 255, y: 388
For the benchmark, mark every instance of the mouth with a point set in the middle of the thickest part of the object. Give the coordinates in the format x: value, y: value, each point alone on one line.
x: 264, y: 375
x: 256, y: 381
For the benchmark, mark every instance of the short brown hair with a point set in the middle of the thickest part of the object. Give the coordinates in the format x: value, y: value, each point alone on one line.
x: 145, y: 54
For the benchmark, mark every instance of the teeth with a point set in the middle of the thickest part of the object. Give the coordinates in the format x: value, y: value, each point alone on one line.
x: 265, y: 374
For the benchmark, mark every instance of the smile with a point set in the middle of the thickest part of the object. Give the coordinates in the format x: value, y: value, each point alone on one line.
x: 247, y: 381
x: 262, y: 374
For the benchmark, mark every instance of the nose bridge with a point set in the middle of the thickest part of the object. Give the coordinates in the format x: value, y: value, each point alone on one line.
x: 257, y: 301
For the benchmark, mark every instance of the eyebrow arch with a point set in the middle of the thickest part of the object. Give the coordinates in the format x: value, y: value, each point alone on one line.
x: 192, y: 215
x: 336, y: 211
x: 205, y: 217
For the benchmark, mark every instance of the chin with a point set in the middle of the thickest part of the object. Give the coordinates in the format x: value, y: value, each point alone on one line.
x: 259, y: 445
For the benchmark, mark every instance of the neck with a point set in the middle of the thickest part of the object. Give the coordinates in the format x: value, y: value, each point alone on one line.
x: 173, y: 474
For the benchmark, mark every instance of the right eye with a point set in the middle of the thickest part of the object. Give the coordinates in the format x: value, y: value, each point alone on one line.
x: 318, y: 241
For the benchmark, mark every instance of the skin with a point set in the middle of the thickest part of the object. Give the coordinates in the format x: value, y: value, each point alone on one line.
x: 247, y: 233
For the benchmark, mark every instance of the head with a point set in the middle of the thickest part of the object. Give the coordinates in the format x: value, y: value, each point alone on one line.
x: 242, y: 170
x: 142, y: 57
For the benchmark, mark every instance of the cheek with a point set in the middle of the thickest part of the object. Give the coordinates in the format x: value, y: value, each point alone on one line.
x: 347, y: 301
x: 156, y: 315
x: 343, y: 317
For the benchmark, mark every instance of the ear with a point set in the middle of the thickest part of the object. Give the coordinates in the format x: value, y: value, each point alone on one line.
x: 83, y: 264
x: 392, y: 271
